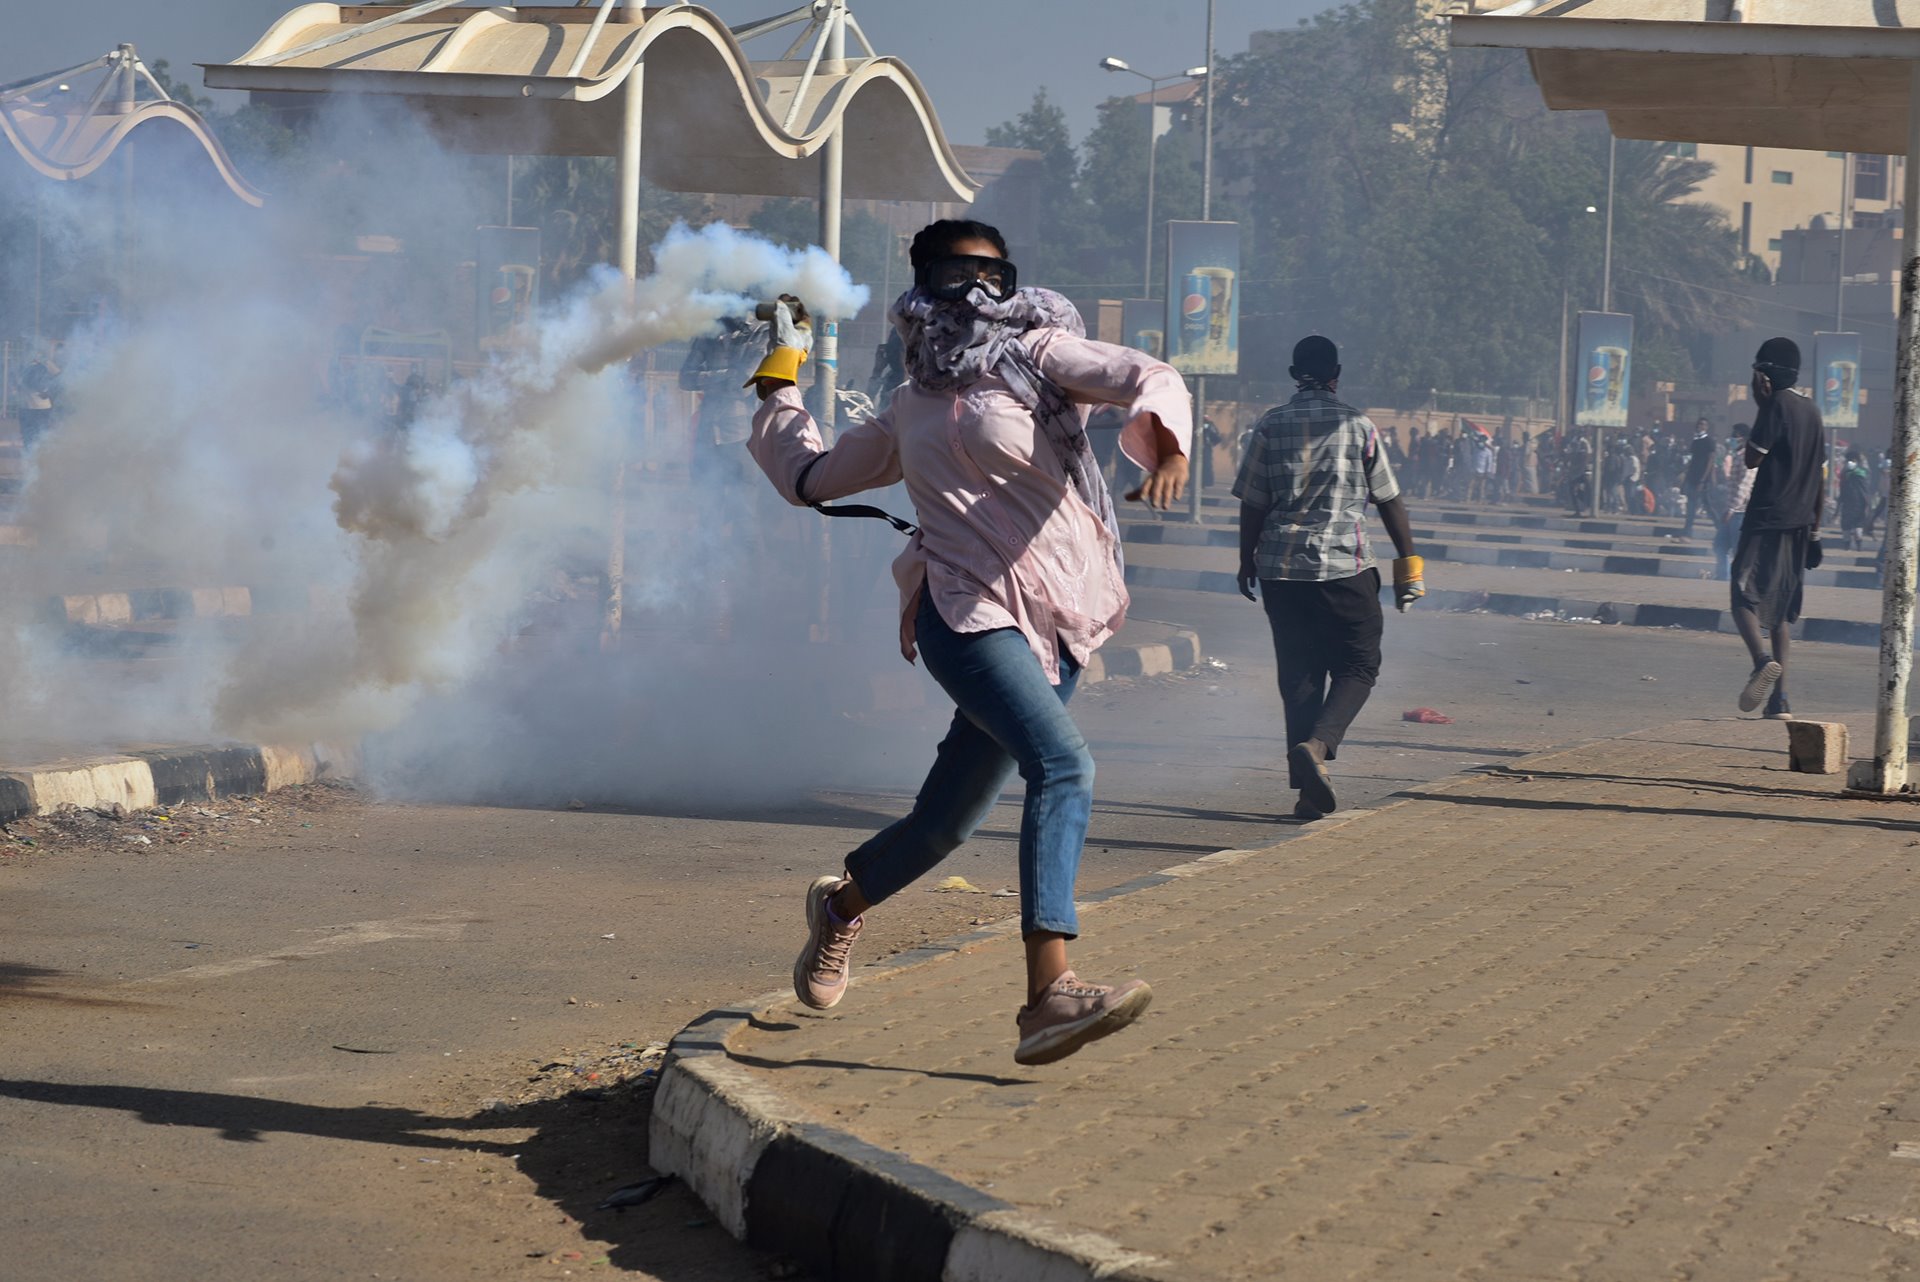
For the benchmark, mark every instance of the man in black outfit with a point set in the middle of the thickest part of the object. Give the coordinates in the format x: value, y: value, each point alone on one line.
x: 1780, y: 534
x: 1699, y: 467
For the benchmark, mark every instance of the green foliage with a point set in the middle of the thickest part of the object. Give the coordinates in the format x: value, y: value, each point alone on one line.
x: 1063, y: 229
x: 1420, y: 206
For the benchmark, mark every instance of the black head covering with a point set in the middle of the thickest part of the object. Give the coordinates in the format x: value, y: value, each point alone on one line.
x: 1315, y: 359
x: 1779, y: 360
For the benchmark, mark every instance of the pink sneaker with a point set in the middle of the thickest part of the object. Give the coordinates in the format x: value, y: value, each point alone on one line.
x: 820, y: 972
x: 1071, y: 1013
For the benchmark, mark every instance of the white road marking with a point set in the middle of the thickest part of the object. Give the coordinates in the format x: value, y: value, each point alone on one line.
x: 356, y: 934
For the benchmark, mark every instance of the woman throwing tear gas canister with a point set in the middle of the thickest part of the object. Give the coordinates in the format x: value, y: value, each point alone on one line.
x: 1010, y: 585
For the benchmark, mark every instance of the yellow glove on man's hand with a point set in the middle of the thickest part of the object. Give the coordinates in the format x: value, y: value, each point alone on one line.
x: 1409, y: 581
x: 789, y: 340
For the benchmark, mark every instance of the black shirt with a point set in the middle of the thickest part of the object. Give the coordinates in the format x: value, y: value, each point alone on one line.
x: 1699, y: 461
x: 1785, y: 491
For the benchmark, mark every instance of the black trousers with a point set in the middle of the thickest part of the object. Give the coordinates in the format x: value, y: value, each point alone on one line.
x: 1326, y: 645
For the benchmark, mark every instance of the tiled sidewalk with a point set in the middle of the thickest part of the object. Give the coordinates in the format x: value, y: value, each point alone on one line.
x: 1642, y: 1009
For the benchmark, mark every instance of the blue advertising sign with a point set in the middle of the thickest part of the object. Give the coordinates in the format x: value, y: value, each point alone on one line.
x: 1202, y: 329
x: 1836, y: 380
x: 1606, y: 369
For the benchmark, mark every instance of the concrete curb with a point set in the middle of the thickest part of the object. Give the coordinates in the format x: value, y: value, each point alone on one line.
x: 1685, y: 617
x: 168, y: 777
x: 785, y: 1183
x: 1153, y: 659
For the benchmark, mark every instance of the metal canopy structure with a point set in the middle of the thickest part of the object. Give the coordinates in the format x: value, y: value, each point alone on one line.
x: 67, y: 124
x: 1818, y: 75
x: 548, y: 81
x: 1823, y: 75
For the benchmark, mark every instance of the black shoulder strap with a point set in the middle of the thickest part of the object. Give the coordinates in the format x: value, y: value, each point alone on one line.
x: 849, y: 509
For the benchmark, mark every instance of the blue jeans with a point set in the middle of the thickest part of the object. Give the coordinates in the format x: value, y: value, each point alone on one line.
x: 1006, y: 717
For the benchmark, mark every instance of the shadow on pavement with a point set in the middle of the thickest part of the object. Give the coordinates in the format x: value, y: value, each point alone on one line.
x: 22, y: 982
x: 576, y: 1140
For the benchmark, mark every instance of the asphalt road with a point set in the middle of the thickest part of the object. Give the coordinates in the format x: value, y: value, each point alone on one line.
x: 323, y: 1045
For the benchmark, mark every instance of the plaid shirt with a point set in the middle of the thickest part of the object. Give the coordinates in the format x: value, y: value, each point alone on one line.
x: 1312, y: 464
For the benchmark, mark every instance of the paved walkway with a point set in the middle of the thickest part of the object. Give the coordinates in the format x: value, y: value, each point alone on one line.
x: 1641, y: 1009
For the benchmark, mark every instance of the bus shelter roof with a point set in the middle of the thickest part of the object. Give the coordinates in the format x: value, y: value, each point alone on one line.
x: 66, y: 125
x: 1820, y: 75
x: 544, y: 80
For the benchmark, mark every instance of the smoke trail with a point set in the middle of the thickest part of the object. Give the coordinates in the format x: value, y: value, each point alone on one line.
x: 448, y: 523
x: 194, y: 452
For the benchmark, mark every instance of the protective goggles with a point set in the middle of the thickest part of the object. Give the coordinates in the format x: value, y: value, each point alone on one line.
x: 955, y: 276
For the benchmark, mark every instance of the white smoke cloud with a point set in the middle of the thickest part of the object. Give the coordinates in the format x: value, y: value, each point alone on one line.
x: 194, y: 453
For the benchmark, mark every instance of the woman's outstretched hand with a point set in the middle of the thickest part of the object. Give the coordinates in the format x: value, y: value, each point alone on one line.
x: 1168, y: 482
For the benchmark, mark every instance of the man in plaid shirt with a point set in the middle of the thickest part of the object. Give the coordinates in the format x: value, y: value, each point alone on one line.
x: 1309, y: 470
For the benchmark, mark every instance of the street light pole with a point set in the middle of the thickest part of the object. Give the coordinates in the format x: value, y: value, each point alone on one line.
x: 1153, y: 118
x: 1606, y: 258
x: 1153, y: 123
x: 1200, y: 447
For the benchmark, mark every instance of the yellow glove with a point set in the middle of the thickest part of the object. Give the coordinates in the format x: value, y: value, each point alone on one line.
x: 1409, y: 581
x: 789, y: 340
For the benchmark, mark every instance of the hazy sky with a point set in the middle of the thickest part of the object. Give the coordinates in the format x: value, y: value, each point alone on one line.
x: 981, y: 61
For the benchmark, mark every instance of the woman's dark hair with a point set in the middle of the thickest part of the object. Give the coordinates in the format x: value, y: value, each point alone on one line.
x: 936, y: 240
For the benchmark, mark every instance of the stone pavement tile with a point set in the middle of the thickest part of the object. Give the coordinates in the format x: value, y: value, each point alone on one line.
x: 1634, y: 1011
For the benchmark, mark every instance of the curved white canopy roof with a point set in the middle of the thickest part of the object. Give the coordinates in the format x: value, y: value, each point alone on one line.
x: 1821, y: 75
x: 543, y: 81
x: 67, y: 124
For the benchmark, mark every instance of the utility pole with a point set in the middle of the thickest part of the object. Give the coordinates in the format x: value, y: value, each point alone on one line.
x: 1606, y: 305
x: 1196, y: 482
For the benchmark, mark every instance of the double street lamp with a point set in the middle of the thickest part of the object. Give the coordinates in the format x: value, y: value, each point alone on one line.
x: 1153, y: 109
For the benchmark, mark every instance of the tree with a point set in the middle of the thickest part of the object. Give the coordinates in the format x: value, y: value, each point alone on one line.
x: 1428, y: 212
x: 1042, y: 127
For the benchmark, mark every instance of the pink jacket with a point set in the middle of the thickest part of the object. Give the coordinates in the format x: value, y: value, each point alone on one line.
x: 1004, y: 541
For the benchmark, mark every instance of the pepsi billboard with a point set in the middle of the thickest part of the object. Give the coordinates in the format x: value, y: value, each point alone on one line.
x: 1606, y: 370
x: 1835, y: 383
x: 1202, y: 332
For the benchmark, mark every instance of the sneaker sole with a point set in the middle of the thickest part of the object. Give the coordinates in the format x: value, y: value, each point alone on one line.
x: 816, y: 904
x: 1058, y: 1043
x: 1759, y: 686
x: 1318, y: 794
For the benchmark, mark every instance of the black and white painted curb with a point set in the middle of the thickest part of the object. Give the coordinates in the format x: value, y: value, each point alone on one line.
x: 1688, y: 618
x: 850, y: 1210
x: 1120, y: 659
x: 167, y: 777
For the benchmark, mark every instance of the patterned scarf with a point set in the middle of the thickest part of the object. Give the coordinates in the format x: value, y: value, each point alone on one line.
x: 950, y: 345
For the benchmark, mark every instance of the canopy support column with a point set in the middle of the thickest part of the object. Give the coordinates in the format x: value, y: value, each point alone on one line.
x: 1889, y: 770
x: 629, y: 247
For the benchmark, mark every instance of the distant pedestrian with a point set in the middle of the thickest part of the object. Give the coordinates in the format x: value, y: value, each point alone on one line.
x: 40, y: 383
x: 1303, y: 490
x: 1701, y: 453
x: 1733, y: 482
x: 1856, y: 498
x: 1480, y: 488
x: 1780, y: 534
x: 1530, y: 462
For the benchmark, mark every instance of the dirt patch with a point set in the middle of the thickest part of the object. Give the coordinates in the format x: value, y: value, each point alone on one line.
x: 225, y: 824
